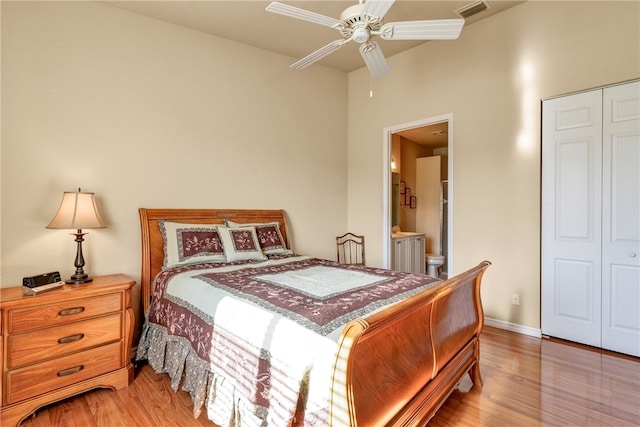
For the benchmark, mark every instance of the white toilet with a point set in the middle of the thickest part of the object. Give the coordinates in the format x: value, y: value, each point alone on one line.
x: 434, y: 262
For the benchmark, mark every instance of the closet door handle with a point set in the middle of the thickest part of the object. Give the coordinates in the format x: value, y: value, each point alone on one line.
x: 633, y: 255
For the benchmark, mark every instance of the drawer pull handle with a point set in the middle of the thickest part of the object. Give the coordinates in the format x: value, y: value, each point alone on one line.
x: 70, y: 338
x: 70, y: 311
x: 70, y: 371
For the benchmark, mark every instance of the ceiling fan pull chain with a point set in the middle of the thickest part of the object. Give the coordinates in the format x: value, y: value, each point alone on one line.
x: 370, y: 86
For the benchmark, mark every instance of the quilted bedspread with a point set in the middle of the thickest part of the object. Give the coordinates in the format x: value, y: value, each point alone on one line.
x: 255, y: 342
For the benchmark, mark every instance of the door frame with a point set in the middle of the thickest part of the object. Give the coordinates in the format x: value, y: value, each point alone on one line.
x: 387, y: 133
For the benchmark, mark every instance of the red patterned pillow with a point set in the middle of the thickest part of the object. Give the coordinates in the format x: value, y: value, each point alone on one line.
x: 269, y: 236
x: 241, y: 244
x: 191, y: 243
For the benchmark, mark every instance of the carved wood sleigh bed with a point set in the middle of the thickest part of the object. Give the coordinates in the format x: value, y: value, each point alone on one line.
x: 393, y: 367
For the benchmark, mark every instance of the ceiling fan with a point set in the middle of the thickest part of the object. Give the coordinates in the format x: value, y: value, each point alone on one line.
x: 360, y: 23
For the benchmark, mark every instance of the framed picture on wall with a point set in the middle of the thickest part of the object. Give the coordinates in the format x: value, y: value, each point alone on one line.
x: 402, y: 184
x: 413, y: 202
x: 407, y: 196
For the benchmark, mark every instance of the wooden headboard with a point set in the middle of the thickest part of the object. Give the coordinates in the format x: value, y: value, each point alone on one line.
x: 153, y: 243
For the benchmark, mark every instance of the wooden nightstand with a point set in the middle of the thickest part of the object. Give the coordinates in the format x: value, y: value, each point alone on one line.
x: 64, y: 342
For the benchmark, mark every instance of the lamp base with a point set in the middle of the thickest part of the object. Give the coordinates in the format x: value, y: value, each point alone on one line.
x: 78, y: 279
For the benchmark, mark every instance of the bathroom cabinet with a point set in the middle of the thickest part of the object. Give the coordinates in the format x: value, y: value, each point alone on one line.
x: 408, y: 252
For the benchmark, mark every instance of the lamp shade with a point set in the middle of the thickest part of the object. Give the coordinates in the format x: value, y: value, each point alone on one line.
x: 77, y: 211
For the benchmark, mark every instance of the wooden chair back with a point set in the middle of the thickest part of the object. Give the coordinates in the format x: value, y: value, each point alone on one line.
x: 350, y: 249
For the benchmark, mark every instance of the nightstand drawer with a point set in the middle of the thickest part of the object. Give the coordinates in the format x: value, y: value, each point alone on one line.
x: 37, y: 379
x: 46, y: 344
x: 46, y: 316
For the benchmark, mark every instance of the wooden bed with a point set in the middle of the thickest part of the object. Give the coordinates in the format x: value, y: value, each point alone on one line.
x: 393, y: 368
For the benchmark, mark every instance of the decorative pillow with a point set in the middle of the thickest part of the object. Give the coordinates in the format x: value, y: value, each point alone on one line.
x: 190, y: 243
x: 241, y: 244
x: 269, y: 236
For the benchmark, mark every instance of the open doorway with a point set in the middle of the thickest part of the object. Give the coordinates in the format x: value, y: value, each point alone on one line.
x: 430, y: 138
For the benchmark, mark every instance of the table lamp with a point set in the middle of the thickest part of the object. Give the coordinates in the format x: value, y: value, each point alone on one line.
x: 77, y: 211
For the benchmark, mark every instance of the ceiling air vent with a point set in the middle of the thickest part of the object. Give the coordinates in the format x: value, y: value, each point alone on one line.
x: 473, y: 9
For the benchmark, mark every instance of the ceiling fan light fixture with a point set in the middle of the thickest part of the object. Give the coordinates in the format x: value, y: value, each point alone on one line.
x: 360, y: 35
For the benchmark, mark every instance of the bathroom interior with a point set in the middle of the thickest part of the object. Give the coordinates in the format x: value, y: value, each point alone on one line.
x: 419, y: 202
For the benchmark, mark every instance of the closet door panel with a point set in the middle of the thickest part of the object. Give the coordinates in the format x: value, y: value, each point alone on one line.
x: 571, y: 217
x: 575, y: 187
x: 621, y: 219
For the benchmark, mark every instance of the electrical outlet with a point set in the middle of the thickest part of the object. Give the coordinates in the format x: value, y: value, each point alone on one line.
x: 515, y: 299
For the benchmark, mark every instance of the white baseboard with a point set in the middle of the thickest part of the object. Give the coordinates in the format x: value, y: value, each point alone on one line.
x: 514, y: 327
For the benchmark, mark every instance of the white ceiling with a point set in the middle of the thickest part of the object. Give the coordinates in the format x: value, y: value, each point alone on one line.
x: 248, y: 22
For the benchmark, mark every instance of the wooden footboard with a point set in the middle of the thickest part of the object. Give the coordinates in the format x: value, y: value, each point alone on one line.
x: 398, y: 366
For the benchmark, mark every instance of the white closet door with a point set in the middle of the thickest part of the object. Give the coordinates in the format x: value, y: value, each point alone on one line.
x: 571, y: 217
x: 621, y: 219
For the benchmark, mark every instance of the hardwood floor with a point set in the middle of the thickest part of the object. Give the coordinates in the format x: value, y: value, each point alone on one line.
x: 527, y: 382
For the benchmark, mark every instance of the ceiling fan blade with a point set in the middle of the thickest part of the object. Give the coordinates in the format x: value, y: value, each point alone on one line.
x: 318, y: 54
x: 439, y: 29
x: 374, y: 58
x: 377, y: 8
x: 295, y: 12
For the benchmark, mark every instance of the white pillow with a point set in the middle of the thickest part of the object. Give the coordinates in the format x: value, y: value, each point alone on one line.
x: 186, y: 244
x: 241, y: 244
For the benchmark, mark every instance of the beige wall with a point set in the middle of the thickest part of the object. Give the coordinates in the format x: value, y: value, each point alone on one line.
x: 492, y: 80
x: 96, y: 97
x: 149, y: 114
